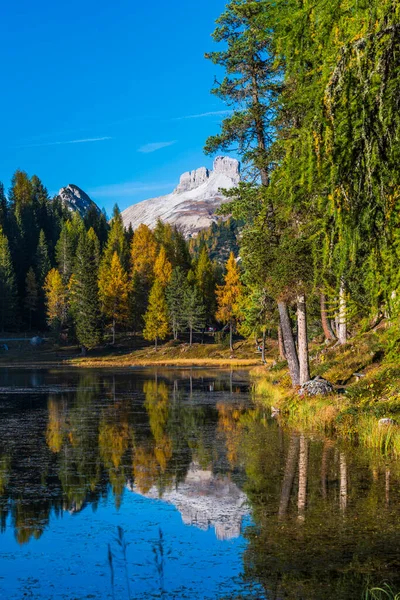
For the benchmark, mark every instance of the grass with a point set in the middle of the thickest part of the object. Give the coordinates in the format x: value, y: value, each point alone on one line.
x: 353, y: 412
x: 133, y: 351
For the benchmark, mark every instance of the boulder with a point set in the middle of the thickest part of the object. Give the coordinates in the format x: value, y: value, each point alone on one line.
x: 385, y: 422
x: 316, y: 387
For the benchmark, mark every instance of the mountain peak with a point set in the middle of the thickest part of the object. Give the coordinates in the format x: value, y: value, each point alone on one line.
x: 75, y: 199
x: 193, y: 204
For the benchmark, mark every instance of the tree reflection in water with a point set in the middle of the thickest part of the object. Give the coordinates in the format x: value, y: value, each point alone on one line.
x: 325, y: 517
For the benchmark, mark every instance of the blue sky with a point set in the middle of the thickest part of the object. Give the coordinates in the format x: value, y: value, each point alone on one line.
x: 114, y: 97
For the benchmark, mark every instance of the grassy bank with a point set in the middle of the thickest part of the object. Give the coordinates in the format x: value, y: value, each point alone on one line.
x: 367, y: 388
x: 132, y: 351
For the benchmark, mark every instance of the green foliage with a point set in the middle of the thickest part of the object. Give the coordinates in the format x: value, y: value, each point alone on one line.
x: 194, y: 310
x: 8, y: 291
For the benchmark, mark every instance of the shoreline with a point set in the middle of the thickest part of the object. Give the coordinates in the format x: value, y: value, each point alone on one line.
x: 109, y: 364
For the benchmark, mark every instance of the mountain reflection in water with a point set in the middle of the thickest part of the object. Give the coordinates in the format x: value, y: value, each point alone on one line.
x: 139, y: 446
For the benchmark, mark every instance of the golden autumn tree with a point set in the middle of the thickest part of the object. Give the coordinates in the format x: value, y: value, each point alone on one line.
x: 56, y: 299
x: 144, y: 250
x: 228, y: 297
x: 156, y: 317
x: 113, y: 292
x: 163, y: 268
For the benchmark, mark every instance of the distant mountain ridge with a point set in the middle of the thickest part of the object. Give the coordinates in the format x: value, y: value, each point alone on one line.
x: 193, y: 204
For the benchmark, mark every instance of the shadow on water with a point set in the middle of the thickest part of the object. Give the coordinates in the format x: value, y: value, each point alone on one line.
x: 317, y: 519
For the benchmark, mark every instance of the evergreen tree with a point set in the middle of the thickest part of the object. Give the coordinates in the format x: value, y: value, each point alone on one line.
x: 42, y: 261
x: 85, y: 303
x: 175, y: 300
x: 116, y: 242
x: 56, y: 300
x: 3, y: 209
x: 228, y: 297
x: 8, y: 291
x: 113, y: 292
x: 194, y: 311
x: 156, y: 317
x: 31, y: 294
x: 205, y: 281
x: 65, y: 250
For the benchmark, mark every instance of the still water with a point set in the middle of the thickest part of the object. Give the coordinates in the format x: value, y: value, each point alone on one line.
x: 177, y: 484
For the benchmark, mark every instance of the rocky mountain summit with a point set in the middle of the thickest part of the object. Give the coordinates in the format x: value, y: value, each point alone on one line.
x: 206, y: 501
x: 193, y: 203
x: 76, y: 200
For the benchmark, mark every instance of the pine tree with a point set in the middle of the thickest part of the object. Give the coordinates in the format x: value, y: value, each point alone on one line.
x: 31, y: 294
x: 162, y: 268
x: 85, y: 303
x: 8, y: 291
x: 3, y: 208
x: 206, y: 282
x: 156, y: 317
x: 116, y: 242
x: 65, y: 251
x: 175, y: 300
x: 194, y: 311
x: 228, y: 297
x: 113, y: 292
x: 56, y: 300
x: 42, y: 261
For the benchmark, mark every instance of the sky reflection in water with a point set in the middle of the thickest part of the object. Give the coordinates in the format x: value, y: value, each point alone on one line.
x: 181, y: 461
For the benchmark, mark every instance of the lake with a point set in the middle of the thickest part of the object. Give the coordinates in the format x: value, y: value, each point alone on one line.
x: 178, y: 484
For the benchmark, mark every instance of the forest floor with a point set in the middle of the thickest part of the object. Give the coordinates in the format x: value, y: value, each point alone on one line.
x: 366, y: 376
x: 129, y: 351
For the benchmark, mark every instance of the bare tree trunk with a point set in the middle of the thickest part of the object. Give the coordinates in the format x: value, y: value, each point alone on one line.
x: 343, y: 481
x: 304, y: 364
x: 303, y: 472
x: 190, y: 336
x: 326, y: 326
x: 155, y: 344
x: 231, y: 336
x: 290, y: 348
x: 342, y: 321
x: 288, y: 477
x: 281, y: 346
x: 263, y: 346
x: 113, y: 330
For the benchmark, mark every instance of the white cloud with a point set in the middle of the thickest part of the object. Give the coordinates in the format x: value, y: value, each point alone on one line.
x: 130, y: 188
x: 81, y: 141
x: 214, y: 113
x: 147, y: 148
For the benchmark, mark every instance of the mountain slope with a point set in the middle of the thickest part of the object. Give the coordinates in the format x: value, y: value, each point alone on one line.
x: 192, y: 205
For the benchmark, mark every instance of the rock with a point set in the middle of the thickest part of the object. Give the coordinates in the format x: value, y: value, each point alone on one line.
x: 193, y: 203
x: 316, y: 387
x: 76, y: 200
x: 275, y: 412
x: 386, y: 421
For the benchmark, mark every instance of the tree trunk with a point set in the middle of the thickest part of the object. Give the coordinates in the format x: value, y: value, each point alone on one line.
x: 155, y: 344
x: 113, y: 331
x: 326, y: 326
x: 342, y: 321
x: 304, y: 364
x: 231, y: 336
x: 263, y: 346
x: 303, y: 472
x: 83, y: 350
x: 190, y: 336
x: 288, y: 477
x: 343, y: 481
x: 290, y: 348
x: 281, y: 346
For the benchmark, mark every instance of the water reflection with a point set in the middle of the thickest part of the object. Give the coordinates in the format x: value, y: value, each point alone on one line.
x: 324, y: 517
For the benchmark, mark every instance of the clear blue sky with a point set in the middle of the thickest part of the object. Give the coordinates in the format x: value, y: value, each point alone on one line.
x: 107, y: 95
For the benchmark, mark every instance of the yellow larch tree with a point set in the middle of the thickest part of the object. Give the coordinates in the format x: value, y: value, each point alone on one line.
x: 163, y: 268
x: 156, y: 317
x: 56, y: 299
x: 113, y: 293
x: 144, y: 250
x: 228, y: 297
